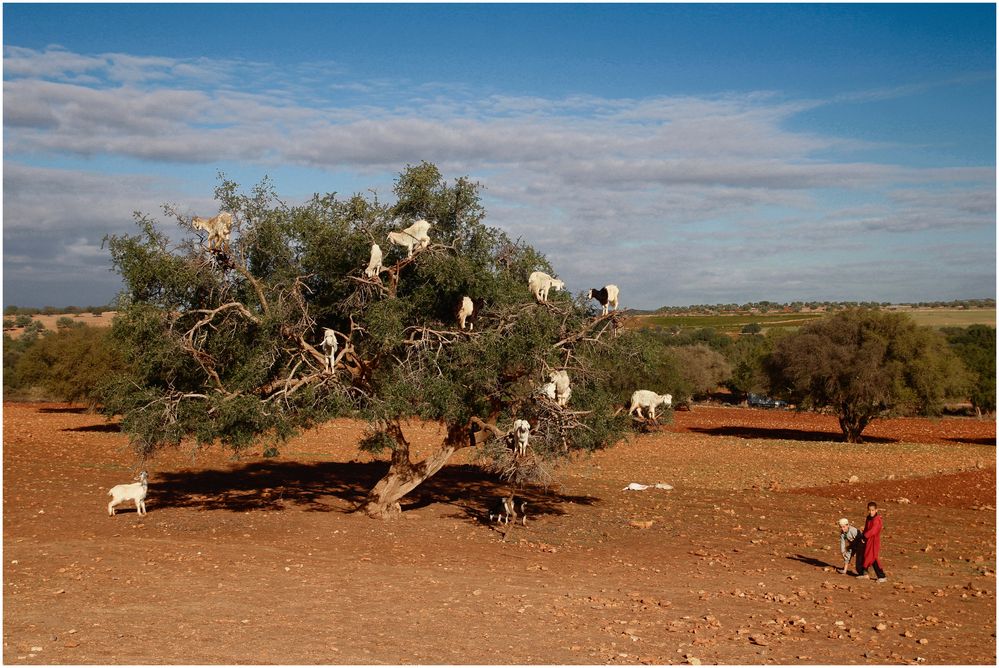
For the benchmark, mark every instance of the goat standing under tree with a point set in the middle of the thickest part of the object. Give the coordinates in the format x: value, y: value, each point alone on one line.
x: 224, y: 355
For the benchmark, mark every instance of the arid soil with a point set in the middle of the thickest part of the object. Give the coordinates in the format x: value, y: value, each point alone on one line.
x: 260, y: 561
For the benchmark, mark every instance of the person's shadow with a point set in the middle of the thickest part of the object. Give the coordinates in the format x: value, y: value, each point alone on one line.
x: 812, y: 561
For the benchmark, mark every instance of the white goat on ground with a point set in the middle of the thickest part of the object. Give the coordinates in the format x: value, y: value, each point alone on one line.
x: 414, y: 235
x: 521, y: 433
x: 135, y: 491
x: 540, y: 283
x: 218, y: 228
x: 648, y: 400
x: 375, y: 263
x: 607, y: 296
x: 562, y: 389
x: 329, y: 347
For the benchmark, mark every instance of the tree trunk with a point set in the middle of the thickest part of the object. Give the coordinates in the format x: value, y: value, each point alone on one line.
x: 853, y: 426
x: 404, y: 476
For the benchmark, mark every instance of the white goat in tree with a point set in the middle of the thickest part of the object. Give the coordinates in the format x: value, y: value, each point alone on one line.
x: 540, y: 283
x: 375, y: 262
x: 329, y: 347
x: 218, y: 228
x: 414, y: 235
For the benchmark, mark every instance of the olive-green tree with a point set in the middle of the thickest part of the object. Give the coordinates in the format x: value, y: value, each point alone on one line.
x: 224, y: 345
x: 976, y: 346
x: 865, y: 364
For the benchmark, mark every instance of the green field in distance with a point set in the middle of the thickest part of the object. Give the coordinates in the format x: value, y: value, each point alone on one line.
x: 733, y: 323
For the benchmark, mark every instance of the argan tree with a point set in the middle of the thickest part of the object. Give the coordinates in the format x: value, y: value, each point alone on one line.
x: 865, y: 364
x: 223, y: 346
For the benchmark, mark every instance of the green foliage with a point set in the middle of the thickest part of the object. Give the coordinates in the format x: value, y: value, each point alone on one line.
x: 976, y: 346
x: 71, y: 364
x: 746, y: 358
x: 865, y: 364
x: 701, y: 368
x: 221, y: 346
x: 642, y: 360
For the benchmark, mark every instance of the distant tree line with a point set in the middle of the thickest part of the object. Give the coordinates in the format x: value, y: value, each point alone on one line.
x: 799, y: 306
x: 860, y: 364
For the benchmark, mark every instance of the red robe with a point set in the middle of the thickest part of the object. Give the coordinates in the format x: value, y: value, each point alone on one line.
x: 872, y: 534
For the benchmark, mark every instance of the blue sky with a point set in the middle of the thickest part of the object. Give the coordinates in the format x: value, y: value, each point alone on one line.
x: 688, y: 153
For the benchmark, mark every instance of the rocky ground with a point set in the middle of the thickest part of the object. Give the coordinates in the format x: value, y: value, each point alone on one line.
x: 259, y: 561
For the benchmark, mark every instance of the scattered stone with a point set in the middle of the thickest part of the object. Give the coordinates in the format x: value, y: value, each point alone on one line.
x: 853, y: 479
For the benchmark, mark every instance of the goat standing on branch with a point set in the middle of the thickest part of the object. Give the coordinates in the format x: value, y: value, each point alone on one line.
x: 562, y: 390
x: 374, y: 262
x: 329, y: 347
x: 607, y: 296
x: 468, y: 311
x: 520, y: 434
x: 540, y: 283
x: 414, y: 235
x: 218, y: 228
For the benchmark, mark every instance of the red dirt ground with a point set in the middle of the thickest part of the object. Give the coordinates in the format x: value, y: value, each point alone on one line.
x: 258, y: 560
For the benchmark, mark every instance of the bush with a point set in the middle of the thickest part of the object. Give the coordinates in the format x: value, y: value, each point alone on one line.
x: 701, y: 368
x: 976, y: 346
x: 70, y: 364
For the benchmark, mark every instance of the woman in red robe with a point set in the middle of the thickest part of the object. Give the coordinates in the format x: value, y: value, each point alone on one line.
x: 872, y: 538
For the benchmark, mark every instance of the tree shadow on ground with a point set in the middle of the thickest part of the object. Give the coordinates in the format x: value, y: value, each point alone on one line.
x: 783, y: 434
x: 107, y: 428
x: 318, y: 486
x: 811, y: 561
x: 973, y: 441
x: 64, y: 409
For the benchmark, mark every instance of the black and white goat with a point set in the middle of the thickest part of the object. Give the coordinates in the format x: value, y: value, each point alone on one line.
x: 506, y: 509
x: 607, y: 296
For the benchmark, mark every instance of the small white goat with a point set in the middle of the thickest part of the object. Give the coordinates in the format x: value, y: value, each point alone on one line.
x: 607, y: 296
x: 414, y: 235
x: 135, y: 491
x: 375, y: 263
x: 329, y: 347
x: 465, y: 312
x: 521, y: 433
x: 540, y: 283
x: 648, y: 400
x: 505, y: 510
x: 547, y: 390
x: 562, y: 389
x: 218, y: 228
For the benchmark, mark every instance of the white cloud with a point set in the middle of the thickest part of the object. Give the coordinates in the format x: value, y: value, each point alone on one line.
x: 673, y: 198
